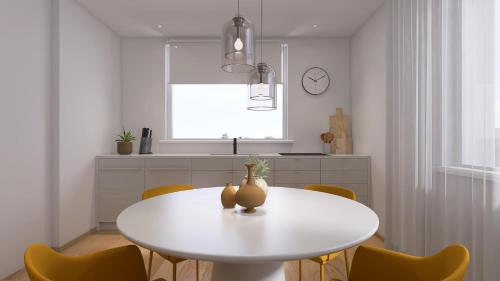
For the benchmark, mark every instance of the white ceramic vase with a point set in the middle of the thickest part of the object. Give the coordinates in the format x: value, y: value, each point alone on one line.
x: 260, y: 182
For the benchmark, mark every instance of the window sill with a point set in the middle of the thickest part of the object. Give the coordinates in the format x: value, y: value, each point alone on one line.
x: 240, y: 141
x: 470, y: 173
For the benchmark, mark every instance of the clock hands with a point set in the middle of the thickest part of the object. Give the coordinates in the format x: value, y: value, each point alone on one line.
x: 316, y: 80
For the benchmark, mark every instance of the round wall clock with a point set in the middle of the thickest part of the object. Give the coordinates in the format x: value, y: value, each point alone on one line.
x: 315, y: 81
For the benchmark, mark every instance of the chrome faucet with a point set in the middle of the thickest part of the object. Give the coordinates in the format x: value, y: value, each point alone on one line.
x: 235, y: 146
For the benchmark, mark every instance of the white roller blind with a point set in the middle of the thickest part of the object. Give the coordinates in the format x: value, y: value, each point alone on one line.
x: 200, y: 63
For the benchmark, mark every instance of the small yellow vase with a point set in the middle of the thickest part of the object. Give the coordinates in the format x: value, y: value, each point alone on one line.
x: 228, y: 196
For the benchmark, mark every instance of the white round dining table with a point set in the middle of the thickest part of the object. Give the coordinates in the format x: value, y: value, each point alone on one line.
x: 292, y: 224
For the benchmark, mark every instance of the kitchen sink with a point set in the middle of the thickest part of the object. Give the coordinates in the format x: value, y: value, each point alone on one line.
x: 303, y: 154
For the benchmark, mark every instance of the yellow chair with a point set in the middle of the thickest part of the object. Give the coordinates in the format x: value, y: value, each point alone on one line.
x: 322, y: 260
x: 157, y: 191
x: 376, y: 264
x: 120, y: 264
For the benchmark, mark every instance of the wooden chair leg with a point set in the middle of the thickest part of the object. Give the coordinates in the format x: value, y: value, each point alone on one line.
x: 300, y: 270
x: 174, y: 271
x: 322, y: 271
x: 150, y: 264
x: 346, y: 264
x: 197, y: 270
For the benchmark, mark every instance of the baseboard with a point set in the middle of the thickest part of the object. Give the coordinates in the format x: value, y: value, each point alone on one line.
x: 74, y: 241
x: 380, y: 236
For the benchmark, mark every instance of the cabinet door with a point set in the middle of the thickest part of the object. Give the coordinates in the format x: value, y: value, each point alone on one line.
x: 211, y: 178
x: 120, y: 184
x: 340, y: 177
x: 167, y: 171
x: 297, y: 164
x: 295, y: 177
x: 343, y: 164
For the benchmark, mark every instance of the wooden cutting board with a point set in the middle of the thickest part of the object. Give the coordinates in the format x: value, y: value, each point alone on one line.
x: 340, y: 126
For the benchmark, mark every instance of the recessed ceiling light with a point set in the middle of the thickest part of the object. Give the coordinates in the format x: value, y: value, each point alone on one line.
x: 160, y: 26
x: 176, y: 46
x: 315, y: 25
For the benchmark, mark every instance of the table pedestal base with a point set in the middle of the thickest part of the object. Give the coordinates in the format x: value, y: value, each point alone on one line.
x: 248, y: 272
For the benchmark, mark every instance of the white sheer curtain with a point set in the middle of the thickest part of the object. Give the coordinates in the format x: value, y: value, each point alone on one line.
x: 444, y: 114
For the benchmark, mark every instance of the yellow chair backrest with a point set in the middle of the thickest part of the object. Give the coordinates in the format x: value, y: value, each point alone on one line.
x: 333, y: 189
x: 378, y: 264
x: 123, y: 263
x: 157, y: 191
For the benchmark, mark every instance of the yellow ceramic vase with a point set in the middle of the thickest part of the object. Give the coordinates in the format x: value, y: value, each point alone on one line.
x: 228, y: 196
x: 250, y: 195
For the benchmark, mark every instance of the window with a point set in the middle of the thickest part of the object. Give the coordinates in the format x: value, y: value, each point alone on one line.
x: 215, y: 111
x: 480, y: 85
x: 206, y: 103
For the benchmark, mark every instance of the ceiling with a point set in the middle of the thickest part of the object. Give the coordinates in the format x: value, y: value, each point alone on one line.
x: 204, y: 18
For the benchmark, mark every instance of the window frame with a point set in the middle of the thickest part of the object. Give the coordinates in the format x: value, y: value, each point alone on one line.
x: 168, y: 102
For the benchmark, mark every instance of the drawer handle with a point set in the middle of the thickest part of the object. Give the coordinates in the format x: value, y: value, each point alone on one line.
x: 120, y: 169
x: 168, y: 169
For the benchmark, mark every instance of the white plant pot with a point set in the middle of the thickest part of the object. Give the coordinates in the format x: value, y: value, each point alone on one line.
x: 259, y: 181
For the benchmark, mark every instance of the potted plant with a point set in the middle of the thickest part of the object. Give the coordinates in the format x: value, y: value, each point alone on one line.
x: 124, y: 142
x: 260, y: 171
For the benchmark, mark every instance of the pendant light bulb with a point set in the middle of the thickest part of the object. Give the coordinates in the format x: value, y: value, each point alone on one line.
x: 238, y: 44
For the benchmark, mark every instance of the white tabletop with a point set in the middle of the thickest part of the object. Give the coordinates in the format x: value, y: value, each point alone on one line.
x: 292, y: 224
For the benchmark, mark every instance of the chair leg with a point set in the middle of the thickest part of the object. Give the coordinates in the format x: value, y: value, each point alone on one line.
x: 174, y: 271
x: 150, y: 264
x: 300, y: 270
x: 346, y: 264
x: 197, y: 270
x: 322, y: 271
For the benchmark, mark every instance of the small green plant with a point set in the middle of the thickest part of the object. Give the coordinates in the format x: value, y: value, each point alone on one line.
x: 125, y: 136
x: 261, y: 168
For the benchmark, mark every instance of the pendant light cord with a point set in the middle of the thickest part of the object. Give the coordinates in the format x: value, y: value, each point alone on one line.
x: 261, y: 24
x: 238, y: 8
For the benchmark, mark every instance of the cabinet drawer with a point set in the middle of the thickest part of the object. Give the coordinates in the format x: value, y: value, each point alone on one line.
x: 211, y: 178
x: 301, y: 164
x: 342, y: 164
x: 238, y: 176
x: 126, y: 164
x: 343, y: 177
x: 212, y: 164
x: 166, y: 164
x: 305, y: 177
x: 239, y: 163
x: 155, y: 178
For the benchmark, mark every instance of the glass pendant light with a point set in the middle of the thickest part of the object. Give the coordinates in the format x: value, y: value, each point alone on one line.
x: 238, y: 45
x: 262, y: 84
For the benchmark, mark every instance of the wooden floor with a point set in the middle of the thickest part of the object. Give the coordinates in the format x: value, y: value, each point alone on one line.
x: 186, y: 270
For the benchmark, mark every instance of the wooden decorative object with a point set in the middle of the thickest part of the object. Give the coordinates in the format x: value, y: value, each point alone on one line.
x: 340, y: 128
x: 228, y: 196
x: 250, y: 195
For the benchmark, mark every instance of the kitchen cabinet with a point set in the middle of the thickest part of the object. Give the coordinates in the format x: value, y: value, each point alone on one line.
x: 353, y: 173
x: 120, y: 184
x: 167, y: 171
x: 122, y: 179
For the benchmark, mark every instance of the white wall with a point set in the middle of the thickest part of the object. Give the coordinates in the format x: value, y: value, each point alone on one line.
x: 143, y: 83
x: 368, y: 90
x: 89, y: 113
x: 25, y: 90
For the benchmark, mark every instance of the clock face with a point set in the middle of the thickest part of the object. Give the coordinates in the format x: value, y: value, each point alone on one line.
x: 315, y: 81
